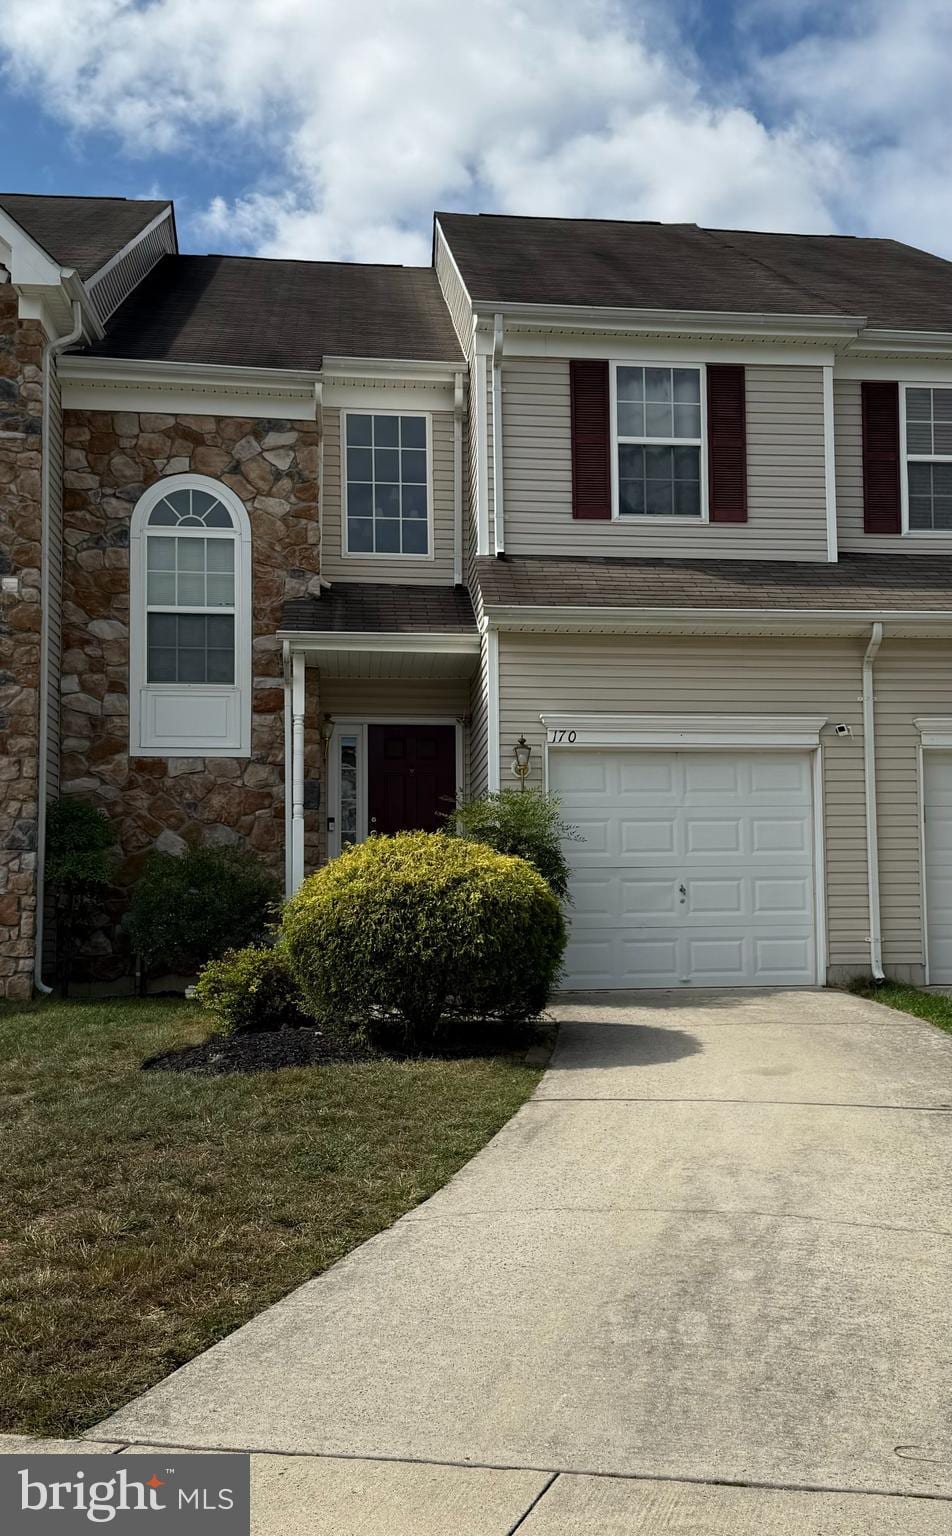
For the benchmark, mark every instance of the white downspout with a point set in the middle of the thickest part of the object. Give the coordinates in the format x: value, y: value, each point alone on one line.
x: 458, y: 481
x: 298, y: 672
x: 872, y: 829
x: 50, y: 352
x: 499, y: 525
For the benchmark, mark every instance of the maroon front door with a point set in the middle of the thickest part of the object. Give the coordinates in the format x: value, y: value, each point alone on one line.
x: 411, y: 776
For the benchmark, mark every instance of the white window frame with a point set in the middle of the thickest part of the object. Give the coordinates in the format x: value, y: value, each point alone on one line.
x: 369, y: 554
x: 646, y: 520
x: 905, y: 459
x: 230, y: 704
x: 357, y: 726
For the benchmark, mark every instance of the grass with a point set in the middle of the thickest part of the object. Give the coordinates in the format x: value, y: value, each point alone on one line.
x: 143, y: 1216
x: 896, y: 994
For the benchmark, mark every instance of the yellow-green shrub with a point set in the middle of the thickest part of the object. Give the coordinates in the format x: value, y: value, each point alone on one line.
x: 252, y: 989
x: 420, y: 933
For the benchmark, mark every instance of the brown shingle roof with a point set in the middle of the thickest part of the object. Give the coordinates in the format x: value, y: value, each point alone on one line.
x: 244, y: 311
x: 612, y: 263
x: 373, y: 608
x: 81, y: 232
x: 868, y: 582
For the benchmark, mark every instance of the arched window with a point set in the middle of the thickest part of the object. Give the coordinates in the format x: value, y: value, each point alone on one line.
x: 190, y: 615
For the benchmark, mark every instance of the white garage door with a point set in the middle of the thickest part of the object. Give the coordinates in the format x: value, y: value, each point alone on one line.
x: 695, y: 869
x: 938, y: 799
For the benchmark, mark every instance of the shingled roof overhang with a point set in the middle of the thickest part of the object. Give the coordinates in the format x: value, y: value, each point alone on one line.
x: 371, y: 629
x: 908, y: 594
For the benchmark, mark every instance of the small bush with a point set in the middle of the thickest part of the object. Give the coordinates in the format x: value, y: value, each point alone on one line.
x: 252, y: 989
x: 187, y: 910
x: 80, y: 853
x: 527, y: 823
x: 422, y: 937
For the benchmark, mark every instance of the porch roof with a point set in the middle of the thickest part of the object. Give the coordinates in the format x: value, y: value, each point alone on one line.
x: 363, y: 607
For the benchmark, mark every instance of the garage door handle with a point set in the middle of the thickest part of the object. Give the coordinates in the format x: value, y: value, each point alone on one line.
x: 683, y: 891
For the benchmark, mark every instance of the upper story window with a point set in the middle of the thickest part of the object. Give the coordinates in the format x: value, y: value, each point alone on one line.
x: 659, y: 441
x: 190, y: 616
x: 928, y: 427
x: 387, y: 494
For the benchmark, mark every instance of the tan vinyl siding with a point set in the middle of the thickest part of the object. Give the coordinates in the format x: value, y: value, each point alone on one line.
x: 457, y: 299
x: 479, y: 725
x: 392, y: 698
x: 549, y: 674
x: 912, y: 678
x: 848, y: 432
x: 54, y: 554
x: 785, y: 468
x: 340, y: 567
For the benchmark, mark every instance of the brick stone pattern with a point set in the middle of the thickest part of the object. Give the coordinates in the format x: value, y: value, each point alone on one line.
x: 167, y: 803
x: 21, y: 409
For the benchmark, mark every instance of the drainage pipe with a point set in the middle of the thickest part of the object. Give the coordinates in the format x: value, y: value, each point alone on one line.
x: 872, y: 829
x: 50, y: 353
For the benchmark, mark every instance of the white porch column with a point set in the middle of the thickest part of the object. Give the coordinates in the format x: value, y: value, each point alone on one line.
x: 297, y: 769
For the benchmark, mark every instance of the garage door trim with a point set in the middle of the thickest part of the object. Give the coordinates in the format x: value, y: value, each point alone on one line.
x: 936, y: 734
x: 730, y: 732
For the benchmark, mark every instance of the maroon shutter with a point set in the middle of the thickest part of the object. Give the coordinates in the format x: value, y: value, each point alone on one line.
x: 727, y: 442
x: 591, y: 440
x: 881, y: 502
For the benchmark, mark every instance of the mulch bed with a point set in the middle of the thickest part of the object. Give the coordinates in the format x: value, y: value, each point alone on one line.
x: 265, y: 1050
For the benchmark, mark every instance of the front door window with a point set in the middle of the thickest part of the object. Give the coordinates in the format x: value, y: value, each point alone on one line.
x: 349, y: 832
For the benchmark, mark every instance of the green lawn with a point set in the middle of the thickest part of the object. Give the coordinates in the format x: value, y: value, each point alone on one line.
x: 145, y: 1215
x: 925, y: 1005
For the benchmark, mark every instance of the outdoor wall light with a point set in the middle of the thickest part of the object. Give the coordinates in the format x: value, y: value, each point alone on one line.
x: 327, y: 731
x: 520, y: 761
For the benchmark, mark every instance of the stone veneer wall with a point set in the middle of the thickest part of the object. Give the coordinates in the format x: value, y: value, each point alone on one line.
x: 165, y: 803
x: 21, y: 363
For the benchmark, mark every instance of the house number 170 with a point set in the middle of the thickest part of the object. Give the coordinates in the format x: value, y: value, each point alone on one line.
x: 557, y: 737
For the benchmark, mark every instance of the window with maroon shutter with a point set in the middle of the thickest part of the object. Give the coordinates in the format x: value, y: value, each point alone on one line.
x: 727, y: 442
x: 591, y: 440
x: 882, y: 508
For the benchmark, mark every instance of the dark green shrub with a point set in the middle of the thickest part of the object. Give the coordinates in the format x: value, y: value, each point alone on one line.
x: 423, y: 937
x: 252, y: 989
x: 189, y: 909
x: 527, y: 823
x: 80, y: 852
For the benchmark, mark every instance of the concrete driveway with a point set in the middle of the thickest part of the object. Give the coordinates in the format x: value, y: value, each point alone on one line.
x: 714, y: 1249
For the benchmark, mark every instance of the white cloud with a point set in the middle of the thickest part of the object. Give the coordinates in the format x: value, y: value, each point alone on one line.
x: 371, y: 114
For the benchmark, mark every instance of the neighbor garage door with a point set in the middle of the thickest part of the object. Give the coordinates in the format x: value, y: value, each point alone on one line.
x: 695, y: 868
x: 938, y: 829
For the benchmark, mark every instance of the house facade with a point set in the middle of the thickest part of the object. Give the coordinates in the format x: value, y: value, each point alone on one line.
x: 296, y: 552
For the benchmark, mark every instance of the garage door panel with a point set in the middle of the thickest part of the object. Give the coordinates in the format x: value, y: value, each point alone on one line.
x: 780, y: 834
x: 697, y: 868
x: 705, y: 834
x: 647, y: 834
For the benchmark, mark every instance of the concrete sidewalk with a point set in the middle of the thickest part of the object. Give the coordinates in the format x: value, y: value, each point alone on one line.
x: 715, y: 1248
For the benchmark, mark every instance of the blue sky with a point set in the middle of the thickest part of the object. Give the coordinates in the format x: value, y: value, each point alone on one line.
x: 304, y: 128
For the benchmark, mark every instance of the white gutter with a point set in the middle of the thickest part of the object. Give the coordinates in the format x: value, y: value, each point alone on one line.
x: 458, y: 480
x: 50, y: 352
x: 580, y: 617
x: 499, y: 527
x: 872, y: 829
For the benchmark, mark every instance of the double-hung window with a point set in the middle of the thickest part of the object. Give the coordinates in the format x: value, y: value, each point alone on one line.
x: 190, y: 601
x: 387, y: 484
x: 928, y: 430
x: 659, y: 441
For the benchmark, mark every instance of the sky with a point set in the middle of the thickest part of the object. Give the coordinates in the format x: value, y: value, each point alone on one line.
x: 328, y: 130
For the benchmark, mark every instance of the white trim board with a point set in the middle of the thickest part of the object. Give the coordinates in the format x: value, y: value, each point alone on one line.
x: 672, y: 731
x: 935, y: 730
